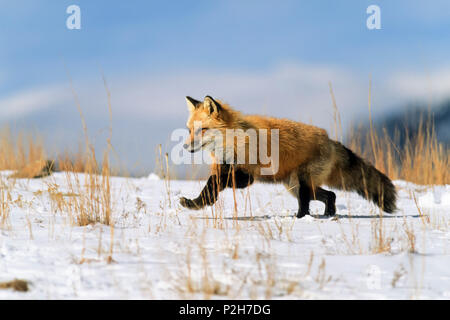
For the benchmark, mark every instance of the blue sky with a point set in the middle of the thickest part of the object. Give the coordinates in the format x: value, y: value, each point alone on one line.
x: 253, y: 35
x: 275, y: 57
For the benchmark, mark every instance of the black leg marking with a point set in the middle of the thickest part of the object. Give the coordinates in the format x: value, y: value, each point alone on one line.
x: 304, y: 198
x: 207, y: 197
x: 210, y: 192
x: 242, y: 180
x: 328, y: 198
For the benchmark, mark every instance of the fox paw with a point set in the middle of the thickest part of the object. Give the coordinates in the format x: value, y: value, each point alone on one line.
x: 330, y: 213
x: 301, y: 214
x: 188, y: 203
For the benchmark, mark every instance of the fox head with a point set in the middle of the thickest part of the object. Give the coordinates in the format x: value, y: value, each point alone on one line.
x: 205, y: 119
x: 230, y: 138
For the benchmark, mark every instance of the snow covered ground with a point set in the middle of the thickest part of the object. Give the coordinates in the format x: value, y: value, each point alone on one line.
x: 158, y: 250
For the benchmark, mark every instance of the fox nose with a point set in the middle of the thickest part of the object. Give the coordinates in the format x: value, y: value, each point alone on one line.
x: 186, y: 146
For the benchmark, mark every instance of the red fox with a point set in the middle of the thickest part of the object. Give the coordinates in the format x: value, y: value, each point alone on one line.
x: 307, y: 159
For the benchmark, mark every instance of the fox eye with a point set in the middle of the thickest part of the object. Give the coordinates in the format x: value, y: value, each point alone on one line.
x: 202, y: 130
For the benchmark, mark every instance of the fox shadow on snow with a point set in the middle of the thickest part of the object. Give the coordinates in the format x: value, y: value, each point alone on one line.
x: 316, y: 216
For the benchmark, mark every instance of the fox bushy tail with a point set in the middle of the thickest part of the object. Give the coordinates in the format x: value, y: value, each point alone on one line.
x: 353, y: 173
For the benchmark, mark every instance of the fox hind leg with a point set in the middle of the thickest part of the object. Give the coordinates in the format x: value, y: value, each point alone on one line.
x: 304, y: 197
x: 328, y: 198
x: 296, y: 185
x: 299, y: 188
x: 306, y: 194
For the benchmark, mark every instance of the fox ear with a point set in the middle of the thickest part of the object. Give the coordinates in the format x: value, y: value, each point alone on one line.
x: 192, y: 104
x: 211, y: 105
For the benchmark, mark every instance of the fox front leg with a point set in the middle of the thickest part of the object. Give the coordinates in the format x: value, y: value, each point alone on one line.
x: 207, y: 197
x: 213, y: 186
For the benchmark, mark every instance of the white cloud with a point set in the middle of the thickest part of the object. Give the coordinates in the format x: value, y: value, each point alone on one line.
x: 296, y: 91
x: 429, y: 86
x: 24, y: 102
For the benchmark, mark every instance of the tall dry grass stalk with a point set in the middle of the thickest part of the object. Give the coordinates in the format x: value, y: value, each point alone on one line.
x: 93, y: 202
x: 19, y: 151
x: 90, y: 198
x: 5, y: 202
x: 421, y: 159
x: 25, y: 153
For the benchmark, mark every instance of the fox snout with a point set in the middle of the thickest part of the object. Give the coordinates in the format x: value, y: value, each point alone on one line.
x: 189, y: 147
x: 196, y: 140
x: 193, y: 145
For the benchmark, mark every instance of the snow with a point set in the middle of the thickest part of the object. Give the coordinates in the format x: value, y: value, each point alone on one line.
x: 158, y: 250
x: 436, y: 197
x: 153, y: 176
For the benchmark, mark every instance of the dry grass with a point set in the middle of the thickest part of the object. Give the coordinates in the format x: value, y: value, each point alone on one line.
x: 92, y: 202
x: 73, y: 161
x: 26, y: 154
x: 5, y: 205
x: 34, y: 170
x: 20, y: 151
x: 381, y: 238
x: 16, y: 285
x: 422, y: 159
